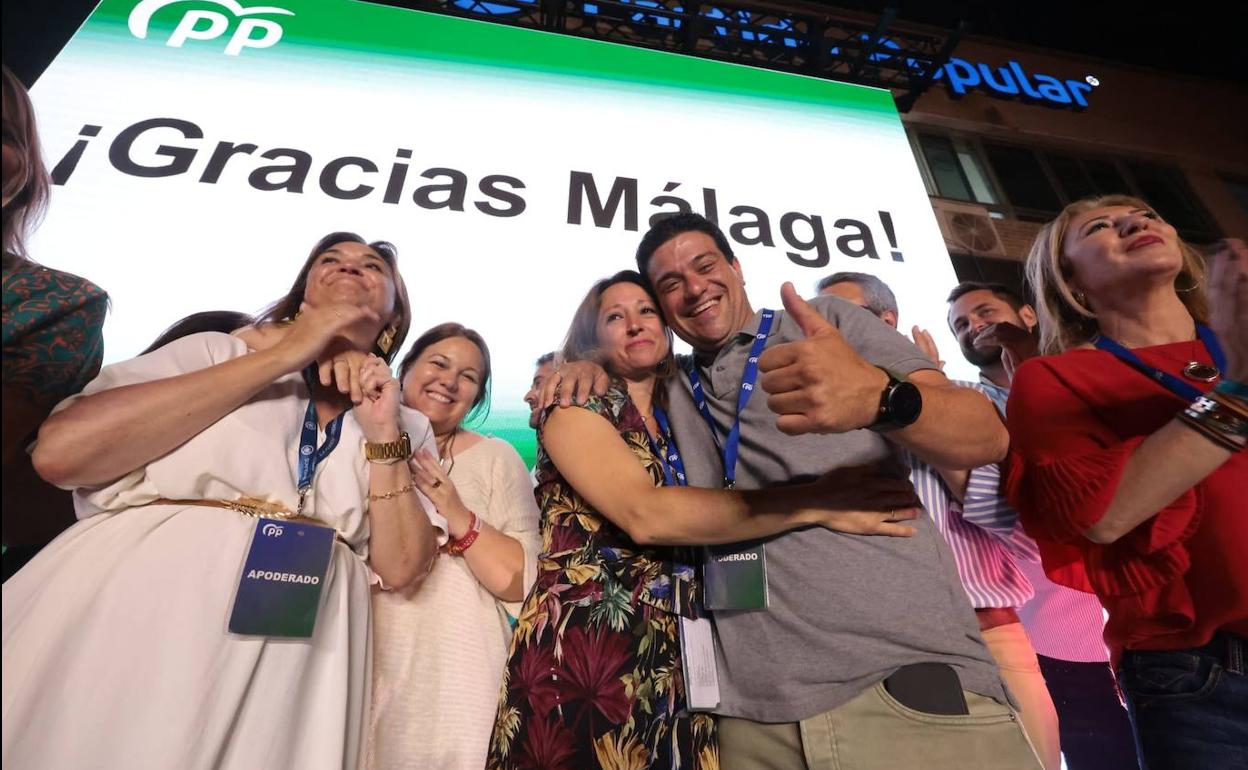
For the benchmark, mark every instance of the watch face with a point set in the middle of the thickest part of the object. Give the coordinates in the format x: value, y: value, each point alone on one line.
x: 904, y: 404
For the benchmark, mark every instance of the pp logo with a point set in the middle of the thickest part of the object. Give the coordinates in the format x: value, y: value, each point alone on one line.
x: 271, y: 530
x: 210, y: 25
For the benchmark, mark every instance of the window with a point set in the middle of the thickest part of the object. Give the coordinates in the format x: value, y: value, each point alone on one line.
x: 953, y: 169
x: 1085, y: 178
x: 1105, y: 177
x: 1167, y: 190
x: 1034, y: 184
x: 946, y: 171
x: 1025, y: 183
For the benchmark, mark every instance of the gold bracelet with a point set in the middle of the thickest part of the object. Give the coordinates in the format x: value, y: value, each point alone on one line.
x: 395, y: 493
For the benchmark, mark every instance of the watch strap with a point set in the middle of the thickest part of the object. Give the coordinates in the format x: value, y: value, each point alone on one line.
x: 387, y: 452
x: 886, y: 418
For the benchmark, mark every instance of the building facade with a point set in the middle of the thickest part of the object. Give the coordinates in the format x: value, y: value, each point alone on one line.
x: 1007, y: 135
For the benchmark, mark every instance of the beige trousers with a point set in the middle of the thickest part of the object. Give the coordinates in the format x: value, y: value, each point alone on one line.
x: 875, y: 732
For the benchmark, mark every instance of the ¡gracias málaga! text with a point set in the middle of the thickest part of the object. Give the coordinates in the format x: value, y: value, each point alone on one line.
x: 287, y: 169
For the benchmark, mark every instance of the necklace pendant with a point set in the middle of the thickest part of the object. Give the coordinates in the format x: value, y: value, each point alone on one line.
x: 1201, y: 372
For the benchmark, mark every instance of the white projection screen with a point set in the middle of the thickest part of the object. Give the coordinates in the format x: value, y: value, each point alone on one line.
x: 202, y: 147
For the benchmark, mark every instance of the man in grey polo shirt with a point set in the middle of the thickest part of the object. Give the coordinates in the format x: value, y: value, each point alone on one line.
x: 850, y: 662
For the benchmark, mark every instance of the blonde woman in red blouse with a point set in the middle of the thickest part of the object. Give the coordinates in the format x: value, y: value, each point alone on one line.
x: 1128, y: 466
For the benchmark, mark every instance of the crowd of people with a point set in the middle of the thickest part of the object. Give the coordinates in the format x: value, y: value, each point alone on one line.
x: 800, y: 546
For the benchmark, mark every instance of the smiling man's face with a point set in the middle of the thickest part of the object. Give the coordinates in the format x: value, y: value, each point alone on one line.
x: 702, y: 294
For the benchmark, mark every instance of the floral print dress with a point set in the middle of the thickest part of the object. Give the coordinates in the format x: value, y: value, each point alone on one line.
x: 594, y: 676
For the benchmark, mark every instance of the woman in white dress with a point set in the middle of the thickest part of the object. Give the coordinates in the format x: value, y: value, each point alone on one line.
x: 439, y: 654
x: 116, y: 651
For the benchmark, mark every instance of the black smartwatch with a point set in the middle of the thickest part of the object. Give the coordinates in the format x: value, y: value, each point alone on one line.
x: 900, y: 403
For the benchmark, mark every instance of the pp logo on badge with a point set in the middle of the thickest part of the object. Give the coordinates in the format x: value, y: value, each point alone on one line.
x: 271, y: 530
x: 210, y: 25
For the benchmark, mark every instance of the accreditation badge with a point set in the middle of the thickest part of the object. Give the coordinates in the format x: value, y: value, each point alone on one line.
x: 279, y: 592
x: 735, y: 578
x: 697, y: 654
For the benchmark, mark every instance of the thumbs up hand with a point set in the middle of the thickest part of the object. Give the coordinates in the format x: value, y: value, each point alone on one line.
x: 819, y: 384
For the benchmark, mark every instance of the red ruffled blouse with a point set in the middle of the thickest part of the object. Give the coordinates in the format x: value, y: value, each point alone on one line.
x: 1178, y: 577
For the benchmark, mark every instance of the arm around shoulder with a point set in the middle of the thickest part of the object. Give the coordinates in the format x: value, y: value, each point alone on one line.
x: 592, y: 456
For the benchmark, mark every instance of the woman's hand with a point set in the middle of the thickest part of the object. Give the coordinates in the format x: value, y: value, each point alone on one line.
x: 343, y: 371
x: 1228, y: 305
x: 377, y: 411
x: 860, y: 500
x: 317, y: 328
x: 432, y: 480
x: 1016, y: 343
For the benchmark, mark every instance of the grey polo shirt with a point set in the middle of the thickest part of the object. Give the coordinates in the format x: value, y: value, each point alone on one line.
x: 845, y: 611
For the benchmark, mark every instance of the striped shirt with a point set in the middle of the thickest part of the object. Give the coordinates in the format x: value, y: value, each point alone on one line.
x: 978, y: 531
x: 1062, y: 623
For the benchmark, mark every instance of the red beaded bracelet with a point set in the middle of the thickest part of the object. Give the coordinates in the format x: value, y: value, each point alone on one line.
x: 457, y: 547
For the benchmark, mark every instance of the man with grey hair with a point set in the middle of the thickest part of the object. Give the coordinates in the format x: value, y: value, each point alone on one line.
x: 864, y: 290
x: 867, y: 291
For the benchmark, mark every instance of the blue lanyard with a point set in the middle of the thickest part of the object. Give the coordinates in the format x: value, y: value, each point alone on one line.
x: 309, y: 455
x: 1171, y: 383
x: 673, y: 466
x: 732, y: 444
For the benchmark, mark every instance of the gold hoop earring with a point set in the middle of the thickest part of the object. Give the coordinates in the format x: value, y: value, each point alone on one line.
x: 386, y: 340
x: 1195, y: 285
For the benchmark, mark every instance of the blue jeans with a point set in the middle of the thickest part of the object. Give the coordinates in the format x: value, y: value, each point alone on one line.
x: 1095, y: 729
x: 1190, y: 707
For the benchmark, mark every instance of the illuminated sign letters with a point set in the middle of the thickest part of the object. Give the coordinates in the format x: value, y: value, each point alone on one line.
x: 961, y: 75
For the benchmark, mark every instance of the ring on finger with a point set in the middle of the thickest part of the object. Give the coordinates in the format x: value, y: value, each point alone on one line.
x: 436, y: 483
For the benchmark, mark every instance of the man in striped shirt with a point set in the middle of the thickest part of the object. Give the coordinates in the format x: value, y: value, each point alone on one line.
x: 982, y: 531
x: 994, y: 326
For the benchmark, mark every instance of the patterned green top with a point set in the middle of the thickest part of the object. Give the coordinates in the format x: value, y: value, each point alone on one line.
x: 53, y: 332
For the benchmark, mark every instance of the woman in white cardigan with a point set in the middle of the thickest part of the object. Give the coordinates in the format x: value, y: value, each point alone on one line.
x: 439, y: 654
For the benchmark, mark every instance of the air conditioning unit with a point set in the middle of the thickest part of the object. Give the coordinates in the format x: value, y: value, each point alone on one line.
x: 968, y: 229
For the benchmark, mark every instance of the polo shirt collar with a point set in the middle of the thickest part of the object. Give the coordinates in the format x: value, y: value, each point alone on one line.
x: 743, y: 336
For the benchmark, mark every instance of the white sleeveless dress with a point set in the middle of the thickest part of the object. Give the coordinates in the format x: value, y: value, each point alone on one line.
x: 115, y: 647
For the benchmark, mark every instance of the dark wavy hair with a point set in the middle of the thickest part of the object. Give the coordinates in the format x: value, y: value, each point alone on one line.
x: 481, y: 404
x: 286, y: 307
x: 224, y: 321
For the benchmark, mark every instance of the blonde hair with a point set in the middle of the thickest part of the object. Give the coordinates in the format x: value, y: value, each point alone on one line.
x: 25, y: 192
x: 1066, y: 321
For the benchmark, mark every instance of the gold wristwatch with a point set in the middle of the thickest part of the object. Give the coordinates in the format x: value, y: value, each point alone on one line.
x: 389, y: 452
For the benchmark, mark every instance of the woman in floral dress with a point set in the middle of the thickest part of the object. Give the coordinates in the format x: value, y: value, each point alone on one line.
x: 594, y: 676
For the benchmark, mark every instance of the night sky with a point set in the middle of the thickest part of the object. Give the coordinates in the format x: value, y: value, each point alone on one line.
x: 1167, y: 39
